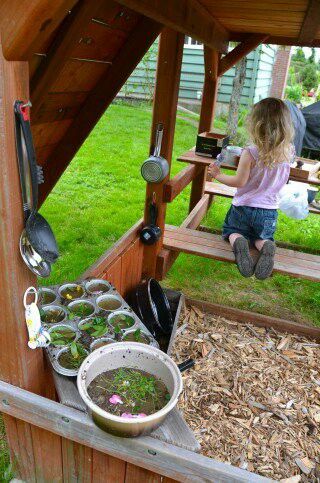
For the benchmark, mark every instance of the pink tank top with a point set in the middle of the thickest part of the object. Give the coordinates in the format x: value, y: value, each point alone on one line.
x: 264, y: 184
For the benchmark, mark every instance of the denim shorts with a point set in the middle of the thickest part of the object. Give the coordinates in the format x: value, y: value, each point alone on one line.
x: 252, y: 223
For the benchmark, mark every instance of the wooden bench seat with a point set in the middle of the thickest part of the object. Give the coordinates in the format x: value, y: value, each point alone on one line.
x: 288, y: 262
x: 218, y: 189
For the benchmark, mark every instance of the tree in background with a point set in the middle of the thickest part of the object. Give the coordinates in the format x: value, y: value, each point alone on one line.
x: 303, y: 75
x: 299, y: 55
x: 312, y: 58
x: 309, y: 77
x: 237, y: 87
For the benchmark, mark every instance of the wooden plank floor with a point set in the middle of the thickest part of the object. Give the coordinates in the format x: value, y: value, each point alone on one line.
x: 288, y: 262
x: 219, y: 189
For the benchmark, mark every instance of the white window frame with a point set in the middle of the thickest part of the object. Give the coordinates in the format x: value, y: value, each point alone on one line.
x: 189, y: 45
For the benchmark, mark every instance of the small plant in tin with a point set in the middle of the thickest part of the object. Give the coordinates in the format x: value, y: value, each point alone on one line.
x: 121, y: 322
x: 61, y: 336
x: 95, y: 327
x: 46, y: 296
x: 52, y: 314
x: 71, y: 291
x: 73, y: 357
x: 136, y: 336
x: 81, y: 309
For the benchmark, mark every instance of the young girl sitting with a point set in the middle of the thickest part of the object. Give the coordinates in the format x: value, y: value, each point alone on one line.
x: 263, y: 170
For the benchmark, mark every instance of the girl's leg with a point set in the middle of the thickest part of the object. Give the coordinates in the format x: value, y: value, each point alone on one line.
x: 233, y: 237
x: 259, y: 244
x: 242, y: 255
x: 264, y: 265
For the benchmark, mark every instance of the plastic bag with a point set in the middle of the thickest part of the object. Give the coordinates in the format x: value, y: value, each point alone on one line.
x: 294, y: 200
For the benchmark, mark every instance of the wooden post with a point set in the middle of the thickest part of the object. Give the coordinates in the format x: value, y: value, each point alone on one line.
x: 164, y: 111
x: 19, y: 365
x: 209, y: 99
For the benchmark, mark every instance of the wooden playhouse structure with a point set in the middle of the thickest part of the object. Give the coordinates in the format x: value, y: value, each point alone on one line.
x: 70, y: 58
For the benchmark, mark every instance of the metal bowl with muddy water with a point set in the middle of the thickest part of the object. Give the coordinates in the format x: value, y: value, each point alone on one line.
x: 129, y: 355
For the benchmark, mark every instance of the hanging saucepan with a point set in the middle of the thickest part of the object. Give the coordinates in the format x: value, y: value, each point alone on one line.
x: 38, y: 245
x: 155, y: 168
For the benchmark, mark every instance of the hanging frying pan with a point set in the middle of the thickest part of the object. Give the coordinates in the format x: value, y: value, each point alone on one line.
x: 38, y: 245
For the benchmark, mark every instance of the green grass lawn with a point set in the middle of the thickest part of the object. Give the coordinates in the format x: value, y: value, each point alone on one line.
x: 101, y: 195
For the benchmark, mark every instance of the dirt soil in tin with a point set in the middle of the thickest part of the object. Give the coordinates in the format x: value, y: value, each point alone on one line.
x: 253, y: 397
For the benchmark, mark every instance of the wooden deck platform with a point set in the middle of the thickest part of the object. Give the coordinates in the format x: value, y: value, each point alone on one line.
x: 218, y: 189
x: 288, y: 262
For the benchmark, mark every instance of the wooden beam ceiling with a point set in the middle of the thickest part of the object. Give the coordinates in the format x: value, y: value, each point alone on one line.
x: 186, y: 16
x: 98, y: 100
x: 26, y: 24
x: 311, y: 22
x: 240, y: 51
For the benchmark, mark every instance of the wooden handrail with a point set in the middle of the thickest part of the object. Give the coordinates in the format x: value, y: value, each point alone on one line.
x: 177, y: 184
x: 146, y: 452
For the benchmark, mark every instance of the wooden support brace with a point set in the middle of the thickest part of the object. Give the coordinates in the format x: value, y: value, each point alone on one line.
x: 164, y: 111
x: 240, y: 51
x: 208, y: 104
x: 166, y: 258
x: 174, y: 187
x: 19, y: 365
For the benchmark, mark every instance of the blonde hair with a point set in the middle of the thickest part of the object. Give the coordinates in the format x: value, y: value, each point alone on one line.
x: 271, y: 130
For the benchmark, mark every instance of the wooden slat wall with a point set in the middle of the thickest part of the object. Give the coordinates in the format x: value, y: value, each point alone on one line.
x: 125, y: 272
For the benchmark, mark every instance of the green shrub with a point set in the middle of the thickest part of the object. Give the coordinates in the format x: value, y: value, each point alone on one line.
x: 309, y: 77
x: 294, y: 93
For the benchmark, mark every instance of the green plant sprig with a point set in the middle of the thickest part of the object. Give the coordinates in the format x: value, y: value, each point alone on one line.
x: 62, y: 336
x: 96, y: 327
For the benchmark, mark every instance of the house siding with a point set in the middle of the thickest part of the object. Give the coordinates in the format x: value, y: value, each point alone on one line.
x: 256, y: 86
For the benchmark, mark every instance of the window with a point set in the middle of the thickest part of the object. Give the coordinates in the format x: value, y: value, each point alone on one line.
x: 190, y: 43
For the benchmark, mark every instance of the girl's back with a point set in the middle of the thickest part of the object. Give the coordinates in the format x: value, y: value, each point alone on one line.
x: 264, y: 183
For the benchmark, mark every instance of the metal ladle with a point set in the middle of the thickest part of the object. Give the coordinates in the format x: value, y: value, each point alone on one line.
x: 38, y: 246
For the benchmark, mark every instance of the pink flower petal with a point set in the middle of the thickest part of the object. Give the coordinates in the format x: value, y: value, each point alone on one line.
x: 115, y: 399
x: 127, y: 415
x: 142, y: 415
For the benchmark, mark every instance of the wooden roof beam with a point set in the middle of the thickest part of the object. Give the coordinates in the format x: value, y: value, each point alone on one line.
x: 98, y: 100
x: 26, y: 24
x: 311, y: 22
x: 186, y: 16
x: 240, y: 51
x: 277, y: 40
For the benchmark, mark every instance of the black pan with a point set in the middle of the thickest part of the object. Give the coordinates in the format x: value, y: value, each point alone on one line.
x: 154, y: 307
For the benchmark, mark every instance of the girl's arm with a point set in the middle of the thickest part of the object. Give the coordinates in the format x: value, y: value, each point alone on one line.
x: 242, y: 175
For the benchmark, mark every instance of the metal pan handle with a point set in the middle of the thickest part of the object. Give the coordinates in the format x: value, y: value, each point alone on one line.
x: 159, y: 136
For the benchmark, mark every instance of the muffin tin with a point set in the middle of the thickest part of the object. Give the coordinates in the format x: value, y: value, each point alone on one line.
x: 74, y: 321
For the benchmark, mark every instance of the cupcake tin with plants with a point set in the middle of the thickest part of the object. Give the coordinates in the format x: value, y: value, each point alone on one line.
x: 85, y: 316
